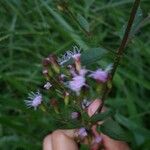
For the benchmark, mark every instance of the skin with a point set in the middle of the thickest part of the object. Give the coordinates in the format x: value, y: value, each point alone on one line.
x: 64, y: 139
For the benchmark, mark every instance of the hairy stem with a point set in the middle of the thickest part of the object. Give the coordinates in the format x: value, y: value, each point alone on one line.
x: 121, y: 49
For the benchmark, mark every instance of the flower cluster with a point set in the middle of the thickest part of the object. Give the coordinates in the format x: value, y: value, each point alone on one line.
x: 73, y: 78
x: 73, y: 84
x: 34, y: 100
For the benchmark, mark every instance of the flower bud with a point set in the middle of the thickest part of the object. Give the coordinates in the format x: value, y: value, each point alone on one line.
x: 54, y: 63
x: 60, y: 7
x: 45, y: 73
x: 66, y: 98
x: 46, y: 62
x: 43, y: 108
x: 76, y: 58
x: 47, y: 86
x: 62, y: 78
x: 54, y: 104
x: 75, y: 115
x: 82, y: 133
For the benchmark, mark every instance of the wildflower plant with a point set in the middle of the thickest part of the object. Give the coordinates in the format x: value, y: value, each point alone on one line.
x: 72, y: 87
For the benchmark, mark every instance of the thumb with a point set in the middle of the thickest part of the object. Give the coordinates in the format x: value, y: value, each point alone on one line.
x: 93, y: 107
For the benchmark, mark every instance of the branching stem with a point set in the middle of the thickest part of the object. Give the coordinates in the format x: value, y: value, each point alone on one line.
x: 121, y: 49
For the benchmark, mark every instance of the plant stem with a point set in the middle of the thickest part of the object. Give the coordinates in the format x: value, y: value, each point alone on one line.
x: 121, y: 49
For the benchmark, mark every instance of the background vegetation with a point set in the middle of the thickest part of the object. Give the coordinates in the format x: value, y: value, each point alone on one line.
x: 31, y: 29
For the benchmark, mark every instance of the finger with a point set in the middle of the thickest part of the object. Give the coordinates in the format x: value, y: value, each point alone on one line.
x: 70, y: 133
x: 110, y: 144
x: 94, y: 130
x: 61, y: 139
x: 47, y: 142
x: 93, y: 107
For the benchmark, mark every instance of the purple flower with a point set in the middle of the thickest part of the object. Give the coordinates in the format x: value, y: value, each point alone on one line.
x: 99, y: 75
x: 82, y: 132
x: 73, y: 72
x: 97, y: 139
x: 83, y: 72
x: 47, y: 86
x: 74, y: 115
x: 34, y: 100
x: 75, y: 54
x: 77, y: 83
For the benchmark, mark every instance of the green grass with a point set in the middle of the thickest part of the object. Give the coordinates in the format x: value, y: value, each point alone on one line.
x: 31, y: 29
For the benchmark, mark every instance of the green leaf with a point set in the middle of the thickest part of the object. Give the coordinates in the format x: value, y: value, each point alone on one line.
x: 84, y: 147
x: 66, y: 26
x: 135, y: 78
x: 113, y: 130
x: 90, y: 56
x: 101, y: 116
x: 16, y: 124
x: 88, y: 3
x: 132, y: 126
x: 137, y: 20
x: 83, y: 22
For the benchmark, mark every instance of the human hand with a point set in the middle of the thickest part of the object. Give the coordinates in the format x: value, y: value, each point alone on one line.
x: 65, y: 139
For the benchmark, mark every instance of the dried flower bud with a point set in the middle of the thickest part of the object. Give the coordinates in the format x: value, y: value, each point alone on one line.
x: 62, y: 78
x: 46, y: 62
x: 54, y: 104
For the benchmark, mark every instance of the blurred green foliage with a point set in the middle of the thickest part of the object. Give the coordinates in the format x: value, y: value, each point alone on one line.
x: 30, y: 30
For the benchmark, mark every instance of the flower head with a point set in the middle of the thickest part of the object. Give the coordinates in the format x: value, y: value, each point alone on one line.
x: 74, y: 115
x: 75, y: 53
x: 82, y: 132
x: 97, y: 139
x: 34, y: 100
x: 76, y: 56
x: 77, y: 83
x: 47, y: 86
x: 99, y: 75
x: 83, y: 72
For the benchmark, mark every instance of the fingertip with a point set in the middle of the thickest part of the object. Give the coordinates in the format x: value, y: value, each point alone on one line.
x: 93, y: 107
